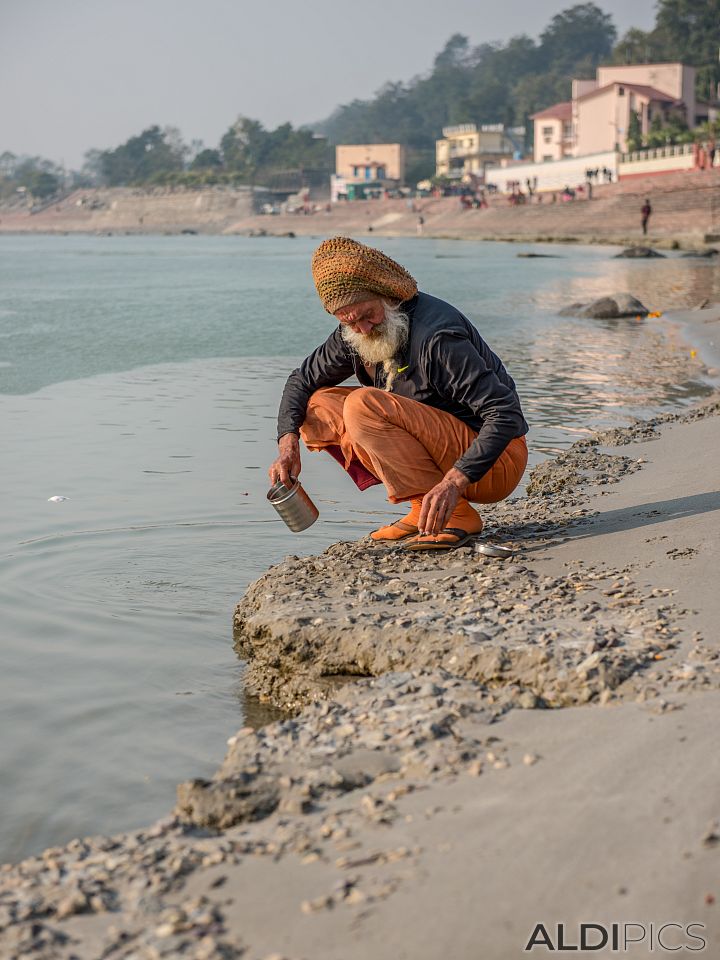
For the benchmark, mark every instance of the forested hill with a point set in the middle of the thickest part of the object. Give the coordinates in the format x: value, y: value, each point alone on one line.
x: 506, y: 82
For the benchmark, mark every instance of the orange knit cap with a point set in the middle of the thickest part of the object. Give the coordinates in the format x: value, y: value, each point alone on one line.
x: 346, y: 272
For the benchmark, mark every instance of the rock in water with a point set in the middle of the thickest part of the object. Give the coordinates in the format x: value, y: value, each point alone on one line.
x: 572, y: 310
x: 607, y: 308
x: 705, y: 253
x: 638, y: 253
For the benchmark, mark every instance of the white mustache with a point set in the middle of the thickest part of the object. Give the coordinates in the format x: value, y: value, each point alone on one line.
x: 384, y: 341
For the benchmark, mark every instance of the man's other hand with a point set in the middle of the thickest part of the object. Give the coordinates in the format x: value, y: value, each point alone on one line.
x: 438, y: 504
x: 287, y: 464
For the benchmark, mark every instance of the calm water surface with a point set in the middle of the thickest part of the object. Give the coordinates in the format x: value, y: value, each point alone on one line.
x: 139, y: 377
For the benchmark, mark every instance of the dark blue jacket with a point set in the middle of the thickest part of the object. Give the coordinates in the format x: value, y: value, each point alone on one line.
x: 446, y: 364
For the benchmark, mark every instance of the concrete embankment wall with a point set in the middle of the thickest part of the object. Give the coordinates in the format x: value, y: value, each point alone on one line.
x: 127, y: 209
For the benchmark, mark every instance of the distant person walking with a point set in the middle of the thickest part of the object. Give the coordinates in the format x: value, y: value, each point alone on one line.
x: 645, y: 212
x: 420, y: 224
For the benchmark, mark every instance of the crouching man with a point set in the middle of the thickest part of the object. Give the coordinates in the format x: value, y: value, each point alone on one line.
x: 436, y: 419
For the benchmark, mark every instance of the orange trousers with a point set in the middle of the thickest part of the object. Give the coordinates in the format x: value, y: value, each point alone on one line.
x: 407, y: 445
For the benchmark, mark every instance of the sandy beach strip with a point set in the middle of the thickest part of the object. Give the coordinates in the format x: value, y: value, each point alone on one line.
x: 683, y: 215
x: 474, y: 746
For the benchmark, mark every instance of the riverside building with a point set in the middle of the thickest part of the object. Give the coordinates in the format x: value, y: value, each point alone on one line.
x: 590, y: 131
x: 597, y: 118
x: 466, y: 149
x: 366, y: 170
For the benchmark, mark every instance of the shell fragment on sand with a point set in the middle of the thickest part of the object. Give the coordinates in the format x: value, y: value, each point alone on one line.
x: 494, y: 550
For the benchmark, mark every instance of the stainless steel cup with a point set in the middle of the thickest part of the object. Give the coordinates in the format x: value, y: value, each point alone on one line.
x: 293, y: 504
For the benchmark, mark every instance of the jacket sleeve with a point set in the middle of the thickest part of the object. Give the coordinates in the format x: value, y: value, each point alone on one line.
x: 327, y: 366
x: 459, y: 373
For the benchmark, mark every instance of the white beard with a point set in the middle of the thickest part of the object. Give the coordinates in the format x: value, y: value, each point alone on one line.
x: 383, y: 343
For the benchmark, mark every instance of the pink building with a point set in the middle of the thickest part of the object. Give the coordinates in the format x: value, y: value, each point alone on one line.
x: 597, y: 118
x: 554, y: 132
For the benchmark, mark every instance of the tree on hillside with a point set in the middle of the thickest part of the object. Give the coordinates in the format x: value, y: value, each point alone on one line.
x: 207, y: 160
x: 583, y: 32
x: 154, y: 151
x: 91, y: 172
x: 689, y: 30
x: 41, y: 178
x: 637, y: 46
x: 242, y: 146
x: 40, y: 183
x: 464, y: 85
x: 533, y: 93
x: 498, y: 69
x: 177, y: 149
x: 256, y: 154
x: 455, y: 53
x: 8, y: 164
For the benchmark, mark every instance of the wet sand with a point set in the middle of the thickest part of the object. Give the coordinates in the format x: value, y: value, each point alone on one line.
x: 475, y: 746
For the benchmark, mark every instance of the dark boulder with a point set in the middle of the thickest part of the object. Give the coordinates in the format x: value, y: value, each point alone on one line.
x: 607, y: 308
x: 638, y: 253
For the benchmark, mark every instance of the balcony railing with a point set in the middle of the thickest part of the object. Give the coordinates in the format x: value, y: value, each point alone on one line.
x: 468, y: 153
x: 655, y: 153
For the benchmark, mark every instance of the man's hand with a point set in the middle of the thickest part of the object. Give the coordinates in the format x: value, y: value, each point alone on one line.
x: 439, y: 503
x: 287, y: 463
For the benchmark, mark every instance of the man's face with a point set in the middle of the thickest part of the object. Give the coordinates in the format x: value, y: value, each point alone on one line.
x: 362, y: 317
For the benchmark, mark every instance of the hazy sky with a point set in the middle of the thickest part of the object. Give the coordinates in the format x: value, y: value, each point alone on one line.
x: 76, y: 74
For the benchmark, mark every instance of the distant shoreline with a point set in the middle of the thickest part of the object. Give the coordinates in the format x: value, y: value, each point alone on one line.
x: 684, y: 216
x: 683, y: 243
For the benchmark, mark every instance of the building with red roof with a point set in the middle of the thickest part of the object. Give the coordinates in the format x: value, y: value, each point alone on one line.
x: 597, y: 118
x: 554, y: 137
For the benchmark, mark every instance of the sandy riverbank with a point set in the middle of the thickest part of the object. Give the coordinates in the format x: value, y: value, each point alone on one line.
x: 685, y: 215
x: 533, y: 741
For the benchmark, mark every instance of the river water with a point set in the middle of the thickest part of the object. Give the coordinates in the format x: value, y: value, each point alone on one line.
x: 139, y: 378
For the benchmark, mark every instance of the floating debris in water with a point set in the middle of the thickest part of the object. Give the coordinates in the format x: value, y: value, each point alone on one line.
x: 57, y: 499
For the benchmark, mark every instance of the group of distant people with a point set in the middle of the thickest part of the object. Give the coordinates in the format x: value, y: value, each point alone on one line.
x: 704, y: 155
x: 474, y: 201
x: 517, y: 197
x: 515, y: 186
x: 599, y: 175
